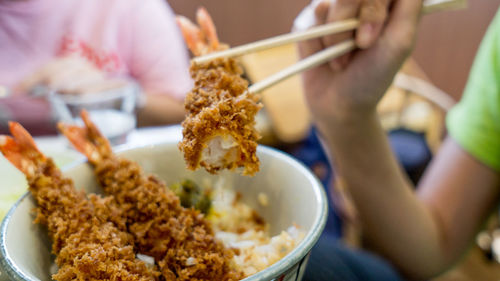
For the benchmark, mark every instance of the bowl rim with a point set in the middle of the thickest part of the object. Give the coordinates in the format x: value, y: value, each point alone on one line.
x: 296, y: 256
x: 7, y: 265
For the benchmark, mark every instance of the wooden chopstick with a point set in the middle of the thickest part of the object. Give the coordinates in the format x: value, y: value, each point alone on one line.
x: 338, y: 50
x: 430, y: 6
x: 305, y: 64
x: 326, y: 29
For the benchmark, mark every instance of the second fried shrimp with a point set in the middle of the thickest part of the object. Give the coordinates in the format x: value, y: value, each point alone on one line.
x: 180, y: 240
x: 88, y: 236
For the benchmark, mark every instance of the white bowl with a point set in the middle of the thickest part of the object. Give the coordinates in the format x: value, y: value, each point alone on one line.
x: 294, y: 193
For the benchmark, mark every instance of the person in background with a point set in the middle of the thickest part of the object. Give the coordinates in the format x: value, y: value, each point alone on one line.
x: 76, y: 46
x: 421, y: 232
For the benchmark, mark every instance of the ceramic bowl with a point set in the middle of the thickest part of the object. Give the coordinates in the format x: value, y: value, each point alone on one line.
x: 294, y: 193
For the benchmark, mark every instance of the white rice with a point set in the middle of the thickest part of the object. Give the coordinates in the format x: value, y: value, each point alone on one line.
x: 235, y: 225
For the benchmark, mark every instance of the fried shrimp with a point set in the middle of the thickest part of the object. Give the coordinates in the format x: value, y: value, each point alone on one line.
x: 88, y: 236
x: 219, y: 129
x: 180, y: 240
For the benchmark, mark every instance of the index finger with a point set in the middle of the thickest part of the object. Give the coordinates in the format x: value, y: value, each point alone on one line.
x: 373, y: 15
x: 341, y: 10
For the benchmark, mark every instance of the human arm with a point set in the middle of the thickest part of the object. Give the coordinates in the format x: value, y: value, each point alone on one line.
x: 28, y: 103
x: 75, y: 75
x: 70, y: 74
x: 145, y: 39
x: 422, y: 233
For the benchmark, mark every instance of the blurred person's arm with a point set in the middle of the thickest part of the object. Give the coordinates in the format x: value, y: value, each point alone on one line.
x: 159, y: 61
x: 154, y: 54
x: 67, y: 75
x: 70, y: 74
x: 422, y: 233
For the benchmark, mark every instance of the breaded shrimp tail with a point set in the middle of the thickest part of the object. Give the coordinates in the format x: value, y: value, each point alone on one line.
x: 219, y: 130
x: 89, y: 141
x: 180, y: 240
x: 87, y: 235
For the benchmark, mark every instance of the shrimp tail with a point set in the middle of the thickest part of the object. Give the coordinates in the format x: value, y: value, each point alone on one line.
x: 88, y: 140
x: 208, y: 28
x: 20, y: 149
x: 192, y: 35
x: 201, y: 39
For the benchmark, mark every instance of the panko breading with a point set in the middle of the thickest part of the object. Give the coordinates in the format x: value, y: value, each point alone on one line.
x: 219, y: 129
x: 88, y: 236
x: 180, y: 240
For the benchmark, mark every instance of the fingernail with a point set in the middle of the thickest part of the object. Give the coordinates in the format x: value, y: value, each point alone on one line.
x: 365, y: 34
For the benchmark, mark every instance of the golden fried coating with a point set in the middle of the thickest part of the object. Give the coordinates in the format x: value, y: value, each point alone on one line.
x: 219, y: 128
x: 180, y: 240
x: 87, y: 234
x: 219, y: 105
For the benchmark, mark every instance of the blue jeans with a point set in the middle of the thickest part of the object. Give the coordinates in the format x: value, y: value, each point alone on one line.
x: 330, y: 259
x: 333, y: 261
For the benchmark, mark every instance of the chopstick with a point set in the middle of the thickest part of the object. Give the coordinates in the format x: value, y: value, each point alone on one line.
x: 338, y: 50
x: 429, y: 6
x: 318, y: 31
x: 303, y: 65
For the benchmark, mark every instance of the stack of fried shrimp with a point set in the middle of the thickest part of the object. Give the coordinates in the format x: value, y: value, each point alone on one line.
x: 88, y: 235
x: 219, y: 129
x: 180, y: 240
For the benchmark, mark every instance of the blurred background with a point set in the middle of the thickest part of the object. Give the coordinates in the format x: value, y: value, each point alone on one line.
x: 447, y: 42
x: 412, y: 112
x: 445, y: 49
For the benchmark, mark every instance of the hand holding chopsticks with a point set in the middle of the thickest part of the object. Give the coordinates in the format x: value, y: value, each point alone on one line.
x: 327, y: 29
x: 319, y: 58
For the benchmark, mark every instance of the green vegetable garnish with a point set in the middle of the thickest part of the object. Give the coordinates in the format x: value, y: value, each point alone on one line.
x: 192, y: 195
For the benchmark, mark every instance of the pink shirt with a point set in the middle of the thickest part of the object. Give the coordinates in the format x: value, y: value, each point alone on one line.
x: 135, y: 38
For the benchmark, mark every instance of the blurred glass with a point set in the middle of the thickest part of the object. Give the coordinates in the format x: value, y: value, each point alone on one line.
x: 4, y: 91
x: 113, y: 111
